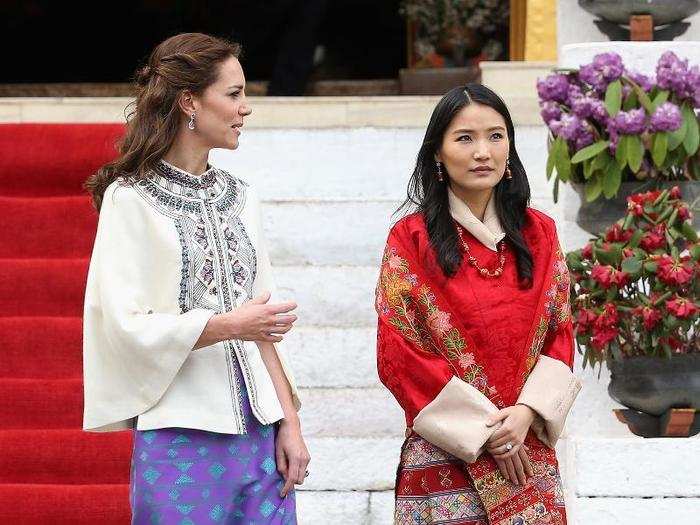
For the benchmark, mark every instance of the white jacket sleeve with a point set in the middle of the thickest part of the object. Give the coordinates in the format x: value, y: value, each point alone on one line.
x: 134, y: 337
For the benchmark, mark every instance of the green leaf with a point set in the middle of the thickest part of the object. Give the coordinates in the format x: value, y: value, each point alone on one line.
x: 613, y: 98
x: 659, y: 148
x: 635, y: 152
x: 660, y: 98
x: 651, y: 267
x: 644, y: 99
x: 590, y: 151
x: 611, y: 180
x: 550, y: 163
x: 631, y: 101
x: 621, y: 151
x: 688, y: 231
x: 562, y: 162
x: 593, y: 188
x: 631, y: 265
x: 636, y: 238
x: 555, y: 189
x: 602, y: 160
x: 692, y: 136
x: 695, y: 252
x: 675, y: 138
x: 587, y: 168
x: 611, y: 256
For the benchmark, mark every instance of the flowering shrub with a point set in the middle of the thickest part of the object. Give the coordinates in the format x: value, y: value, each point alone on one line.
x: 635, y: 288
x: 447, y: 29
x: 610, y: 125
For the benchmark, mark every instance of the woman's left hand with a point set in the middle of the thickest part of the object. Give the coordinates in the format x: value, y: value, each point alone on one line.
x: 516, y: 422
x: 292, y: 455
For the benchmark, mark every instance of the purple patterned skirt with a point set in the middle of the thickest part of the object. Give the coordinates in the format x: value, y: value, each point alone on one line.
x: 191, y: 477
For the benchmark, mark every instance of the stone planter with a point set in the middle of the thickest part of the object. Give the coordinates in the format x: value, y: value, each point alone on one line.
x: 596, y: 216
x: 654, y: 385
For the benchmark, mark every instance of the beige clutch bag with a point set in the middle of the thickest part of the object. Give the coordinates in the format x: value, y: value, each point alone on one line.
x: 550, y: 390
x: 456, y: 419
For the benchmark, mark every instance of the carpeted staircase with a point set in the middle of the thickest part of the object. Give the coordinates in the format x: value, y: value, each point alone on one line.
x: 51, y: 472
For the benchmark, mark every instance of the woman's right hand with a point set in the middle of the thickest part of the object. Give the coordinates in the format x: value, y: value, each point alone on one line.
x: 254, y: 320
x: 516, y: 468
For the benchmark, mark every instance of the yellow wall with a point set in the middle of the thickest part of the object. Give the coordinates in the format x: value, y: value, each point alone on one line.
x: 541, y: 30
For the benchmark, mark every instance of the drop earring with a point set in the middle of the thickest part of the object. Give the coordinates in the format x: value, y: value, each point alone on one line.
x: 439, y: 171
x: 190, y: 124
x: 509, y: 174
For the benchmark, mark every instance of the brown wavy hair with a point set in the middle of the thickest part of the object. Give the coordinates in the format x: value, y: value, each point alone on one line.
x: 188, y: 61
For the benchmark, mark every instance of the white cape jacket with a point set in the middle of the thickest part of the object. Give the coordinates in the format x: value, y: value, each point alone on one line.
x: 170, y: 252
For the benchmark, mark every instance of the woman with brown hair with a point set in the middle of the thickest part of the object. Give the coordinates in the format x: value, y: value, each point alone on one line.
x: 181, y: 341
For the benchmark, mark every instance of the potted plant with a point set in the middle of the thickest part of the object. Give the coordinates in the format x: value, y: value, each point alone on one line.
x: 614, y: 132
x: 636, y: 304
x: 448, y: 38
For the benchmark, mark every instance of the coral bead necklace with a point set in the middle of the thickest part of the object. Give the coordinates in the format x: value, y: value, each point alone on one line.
x: 484, y: 272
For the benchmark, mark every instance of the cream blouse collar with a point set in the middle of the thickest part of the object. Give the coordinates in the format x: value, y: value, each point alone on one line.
x: 488, y: 232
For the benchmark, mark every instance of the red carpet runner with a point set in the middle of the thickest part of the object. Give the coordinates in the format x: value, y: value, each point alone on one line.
x: 51, y: 472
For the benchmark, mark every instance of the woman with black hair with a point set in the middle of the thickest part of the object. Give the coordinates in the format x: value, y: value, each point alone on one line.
x: 475, y: 338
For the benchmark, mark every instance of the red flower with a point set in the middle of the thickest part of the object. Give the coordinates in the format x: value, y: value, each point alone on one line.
x: 587, y: 252
x: 654, y: 238
x: 605, y: 327
x: 584, y: 320
x: 671, y: 271
x: 602, y: 275
x: 608, y: 276
x: 684, y: 213
x: 649, y: 315
x: 643, y: 198
x: 616, y: 234
x: 675, y: 193
x: 635, y: 208
x: 681, y: 307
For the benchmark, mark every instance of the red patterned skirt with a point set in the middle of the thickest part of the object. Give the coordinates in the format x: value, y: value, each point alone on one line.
x: 434, y: 487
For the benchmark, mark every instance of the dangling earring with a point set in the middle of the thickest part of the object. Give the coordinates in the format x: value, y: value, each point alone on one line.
x: 190, y: 124
x: 509, y: 175
x: 439, y: 171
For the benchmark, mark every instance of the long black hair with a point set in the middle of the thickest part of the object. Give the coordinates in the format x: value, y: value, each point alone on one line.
x: 429, y: 195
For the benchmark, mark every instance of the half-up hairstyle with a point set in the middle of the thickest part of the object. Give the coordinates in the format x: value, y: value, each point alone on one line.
x: 188, y: 61
x: 429, y: 196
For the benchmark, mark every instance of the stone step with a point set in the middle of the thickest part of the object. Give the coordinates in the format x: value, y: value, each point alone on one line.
x: 333, y: 357
x: 640, y: 511
x: 330, y: 296
x: 636, y: 467
x: 351, y: 412
x: 345, y: 508
x: 340, y: 464
x: 351, y: 163
x: 347, y: 233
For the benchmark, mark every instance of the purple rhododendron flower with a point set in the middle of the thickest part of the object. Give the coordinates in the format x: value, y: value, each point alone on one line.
x: 645, y: 82
x: 630, y: 122
x: 605, y: 68
x: 585, y: 138
x: 599, y: 112
x: 582, y: 106
x: 569, y: 126
x: 574, y: 93
x: 693, y: 82
x: 667, y: 117
x: 671, y: 73
x: 550, y: 111
x: 554, y: 87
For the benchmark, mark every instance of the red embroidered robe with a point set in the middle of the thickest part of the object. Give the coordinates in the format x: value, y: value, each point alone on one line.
x: 486, y: 332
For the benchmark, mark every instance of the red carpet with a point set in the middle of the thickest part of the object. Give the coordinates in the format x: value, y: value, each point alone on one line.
x: 51, y: 472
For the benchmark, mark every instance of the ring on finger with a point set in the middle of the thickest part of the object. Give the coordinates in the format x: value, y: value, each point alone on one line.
x: 509, y: 446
